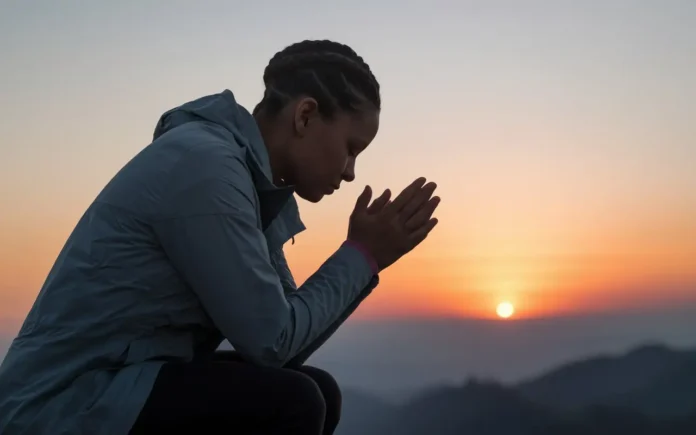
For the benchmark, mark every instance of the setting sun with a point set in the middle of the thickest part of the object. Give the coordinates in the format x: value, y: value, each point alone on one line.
x: 505, y: 310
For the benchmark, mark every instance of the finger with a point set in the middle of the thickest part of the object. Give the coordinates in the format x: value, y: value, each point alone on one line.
x: 405, y: 196
x: 417, y: 201
x: 421, y: 233
x: 422, y: 215
x: 363, y: 200
x: 379, y: 203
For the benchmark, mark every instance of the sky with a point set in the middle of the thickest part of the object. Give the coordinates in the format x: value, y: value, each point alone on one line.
x: 560, y: 134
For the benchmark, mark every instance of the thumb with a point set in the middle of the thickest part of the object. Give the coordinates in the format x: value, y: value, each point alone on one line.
x: 363, y: 200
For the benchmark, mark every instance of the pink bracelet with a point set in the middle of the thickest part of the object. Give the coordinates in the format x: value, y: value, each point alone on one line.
x: 370, y: 259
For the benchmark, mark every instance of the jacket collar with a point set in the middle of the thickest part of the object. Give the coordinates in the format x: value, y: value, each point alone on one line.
x: 280, y: 215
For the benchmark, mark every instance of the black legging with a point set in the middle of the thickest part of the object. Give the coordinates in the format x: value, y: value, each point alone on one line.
x: 226, y: 395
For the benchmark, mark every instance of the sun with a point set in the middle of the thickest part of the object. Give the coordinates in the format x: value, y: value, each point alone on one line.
x: 505, y: 310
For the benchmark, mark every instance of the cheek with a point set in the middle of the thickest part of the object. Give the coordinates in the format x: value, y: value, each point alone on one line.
x: 323, y: 157
x: 340, y: 160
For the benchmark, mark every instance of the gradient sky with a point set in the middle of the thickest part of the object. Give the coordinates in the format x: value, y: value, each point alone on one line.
x: 561, y: 134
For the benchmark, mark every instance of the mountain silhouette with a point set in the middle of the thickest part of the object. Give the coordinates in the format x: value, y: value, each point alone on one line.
x: 362, y: 412
x: 476, y: 407
x: 671, y: 395
x: 648, y: 390
x: 608, y: 380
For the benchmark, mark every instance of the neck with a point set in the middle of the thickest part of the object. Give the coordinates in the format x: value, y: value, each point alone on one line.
x: 275, y: 144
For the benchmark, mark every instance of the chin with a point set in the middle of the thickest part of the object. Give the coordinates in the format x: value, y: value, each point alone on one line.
x: 313, y: 197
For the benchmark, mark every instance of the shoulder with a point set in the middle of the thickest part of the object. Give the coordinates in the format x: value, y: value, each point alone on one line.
x: 211, y: 177
x: 214, y: 159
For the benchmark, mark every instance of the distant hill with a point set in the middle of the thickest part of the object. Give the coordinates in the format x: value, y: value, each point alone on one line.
x: 671, y: 395
x: 362, y: 411
x: 608, y: 380
x: 476, y: 407
x: 649, y: 390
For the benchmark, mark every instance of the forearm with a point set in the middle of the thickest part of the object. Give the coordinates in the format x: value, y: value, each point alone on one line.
x: 330, y: 295
x: 313, y: 346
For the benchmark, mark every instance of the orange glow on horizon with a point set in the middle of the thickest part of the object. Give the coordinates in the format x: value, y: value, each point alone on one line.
x: 433, y: 281
x: 546, y: 261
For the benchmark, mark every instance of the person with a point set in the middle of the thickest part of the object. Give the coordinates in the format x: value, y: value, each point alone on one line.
x: 183, y: 248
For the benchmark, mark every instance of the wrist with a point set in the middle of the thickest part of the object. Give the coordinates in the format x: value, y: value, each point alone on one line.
x: 366, y: 253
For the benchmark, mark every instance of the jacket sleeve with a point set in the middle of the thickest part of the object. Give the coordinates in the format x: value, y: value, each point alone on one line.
x: 212, y: 237
x: 280, y: 264
x: 302, y: 357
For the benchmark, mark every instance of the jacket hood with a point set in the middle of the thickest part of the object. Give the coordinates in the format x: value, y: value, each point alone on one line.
x: 221, y: 109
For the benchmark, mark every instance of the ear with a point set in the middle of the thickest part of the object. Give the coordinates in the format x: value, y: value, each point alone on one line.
x: 306, y: 111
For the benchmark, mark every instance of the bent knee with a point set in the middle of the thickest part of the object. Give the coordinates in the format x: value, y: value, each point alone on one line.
x: 305, y: 392
x: 326, y: 382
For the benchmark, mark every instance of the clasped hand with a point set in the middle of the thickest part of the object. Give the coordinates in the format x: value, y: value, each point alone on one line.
x: 390, y: 229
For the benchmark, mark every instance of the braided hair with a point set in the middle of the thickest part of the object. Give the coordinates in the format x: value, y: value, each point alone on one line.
x: 330, y: 72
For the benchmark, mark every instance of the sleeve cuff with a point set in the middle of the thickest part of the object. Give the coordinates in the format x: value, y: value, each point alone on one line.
x: 370, y: 259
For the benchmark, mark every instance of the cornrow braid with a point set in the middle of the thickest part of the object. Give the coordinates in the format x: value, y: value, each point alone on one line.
x: 330, y: 72
x: 313, y: 46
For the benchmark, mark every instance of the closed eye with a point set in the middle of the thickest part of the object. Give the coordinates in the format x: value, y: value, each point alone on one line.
x: 354, y: 149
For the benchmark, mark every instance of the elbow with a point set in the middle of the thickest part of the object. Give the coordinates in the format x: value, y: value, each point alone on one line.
x: 266, y: 340
x: 272, y: 351
x: 263, y: 356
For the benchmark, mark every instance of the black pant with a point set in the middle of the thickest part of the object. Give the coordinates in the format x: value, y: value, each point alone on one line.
x: 228, y: 396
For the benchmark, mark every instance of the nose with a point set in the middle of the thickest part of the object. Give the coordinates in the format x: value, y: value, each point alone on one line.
x: 349, y: 172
